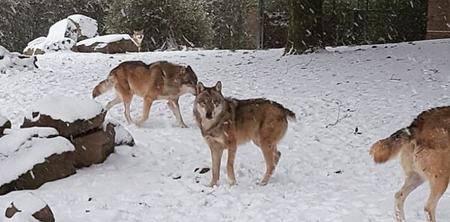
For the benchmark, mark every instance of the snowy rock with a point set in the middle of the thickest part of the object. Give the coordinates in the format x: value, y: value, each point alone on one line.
x: 123, y: 137
x: 63, y: 35
x: 4, y: 124
x: 86, y: 27
x: 94, y: 147
x: 116, y: 43
x: 15, y: 61
x: 30, y: 157
x: 69, y: 115
x: 29, y: 207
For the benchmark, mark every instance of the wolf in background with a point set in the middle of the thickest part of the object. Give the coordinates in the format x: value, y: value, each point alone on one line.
x: 425, y: 148
x: 226, y: 123
x: 138, y: 36
x: 159, y: 80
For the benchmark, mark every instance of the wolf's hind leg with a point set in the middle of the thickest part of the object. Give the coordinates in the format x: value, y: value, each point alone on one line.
x: 438, y: 185
x: 268, y: 151
x: 412, y: 181
x: 113, y: 102
x: 145, y: 110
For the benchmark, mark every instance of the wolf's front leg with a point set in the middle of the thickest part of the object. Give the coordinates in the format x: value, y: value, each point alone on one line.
x: 230, y: 164
x: 175, y: 107
x: 216, y: 156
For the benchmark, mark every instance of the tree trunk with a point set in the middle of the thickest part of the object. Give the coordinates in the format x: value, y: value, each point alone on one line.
x: 305, y: 26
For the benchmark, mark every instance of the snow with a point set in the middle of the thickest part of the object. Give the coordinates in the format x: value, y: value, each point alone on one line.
x: 88, y: 26
x: 21, y: 149
x: 3, y: 120
x: 10, y: 62
x: 67, y: 109
x: 29, y: 203
x: 345, y: 100
x: 21, y: 217
x: 104, y: 40
x: 63, y: 34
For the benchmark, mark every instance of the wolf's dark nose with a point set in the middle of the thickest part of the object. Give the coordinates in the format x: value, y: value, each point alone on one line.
x: 208, y: 115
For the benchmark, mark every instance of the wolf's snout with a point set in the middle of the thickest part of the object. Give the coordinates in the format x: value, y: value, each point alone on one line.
x: 209, y: 115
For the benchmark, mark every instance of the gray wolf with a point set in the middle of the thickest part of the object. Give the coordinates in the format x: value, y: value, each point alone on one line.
x: 159, y: 80
x: 138, y: 36
x: 425, y: 156
x: 226, y: 123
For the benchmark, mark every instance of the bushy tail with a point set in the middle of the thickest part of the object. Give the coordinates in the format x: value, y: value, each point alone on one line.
x: 290, y: 115
x: 389, y: 148
x: 103, y: 86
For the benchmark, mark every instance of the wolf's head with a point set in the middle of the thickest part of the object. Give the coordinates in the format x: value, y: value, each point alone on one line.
x: 138, y: 36
x: 209, y: 102
x: 188, y: 80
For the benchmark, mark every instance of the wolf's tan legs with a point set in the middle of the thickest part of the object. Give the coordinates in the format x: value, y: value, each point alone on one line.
x: 412, y: 181
x: 175, y: 107
x: 268, y: 152
x: 127, y: 103
x: 438, y: 185
x: 216, y: 156
x: 113, y: 102
x: 145, y: 110
x: 230, y: 164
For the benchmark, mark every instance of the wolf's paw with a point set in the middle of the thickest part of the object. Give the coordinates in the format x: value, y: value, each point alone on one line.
x: 184, y: 126
x: 231, y: 182
x: 263, y: 183
x: 212, y: 184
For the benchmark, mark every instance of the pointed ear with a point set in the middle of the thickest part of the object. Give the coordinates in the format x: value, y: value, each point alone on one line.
x: 218, y: 86
x: 188, y: 68
x: 200, y: 87
x: 142, y: 30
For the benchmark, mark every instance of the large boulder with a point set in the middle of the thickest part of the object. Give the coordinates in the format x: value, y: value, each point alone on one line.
x: 31, y: 157
x: 95, y: 147
x: 4, y: 124
x: 70, y: 116
x: 29, y: 207
x: 61, y: 135
x: 116, y: 43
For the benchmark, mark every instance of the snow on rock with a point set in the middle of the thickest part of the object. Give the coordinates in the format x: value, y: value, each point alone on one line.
x: 67, y: 109
x: 122, y: 137
x: 88, y: 27
x: 29, y: 203
x: 102, y: 41
x: 28, y: 147
x: 15, y: 61
x: 21, y: 217
x: 63, y: 35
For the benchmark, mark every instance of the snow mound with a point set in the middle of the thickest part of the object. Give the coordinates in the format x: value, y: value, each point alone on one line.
x: 29, y: 203
x: 88, y: 27
x: 63, y: 35
x: 22, y: 149
x: 15, y: 61
x: 67, y: 109
x: 105, y: 39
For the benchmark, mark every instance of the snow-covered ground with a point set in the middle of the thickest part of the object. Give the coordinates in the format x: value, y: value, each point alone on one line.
x: 345, y: 99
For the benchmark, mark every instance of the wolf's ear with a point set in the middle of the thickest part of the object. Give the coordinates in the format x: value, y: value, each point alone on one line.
x: 200, y: 87
x: 189, y: 69
x: 218, y: 86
